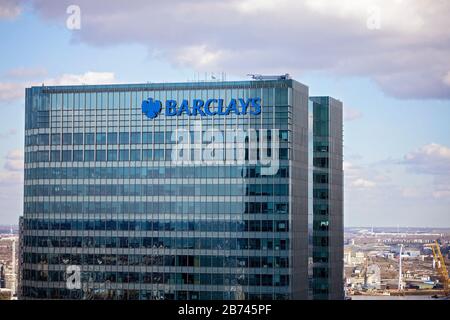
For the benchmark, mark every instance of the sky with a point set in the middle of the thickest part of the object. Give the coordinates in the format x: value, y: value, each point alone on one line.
x: 387, y: 60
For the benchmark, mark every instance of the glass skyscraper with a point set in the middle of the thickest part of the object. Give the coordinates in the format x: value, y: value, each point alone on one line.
x: 327, y: 196
x: 111, y: 213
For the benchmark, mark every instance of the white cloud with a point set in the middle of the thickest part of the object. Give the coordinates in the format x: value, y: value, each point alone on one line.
x: 14, y: 160
x: 89, y: 77
x: 359, y: 177
x: 256, y: 6
x: 441, y: 194
x: 447, y: 79
x: 9, y: 9
x: 13, y: 168
x: 348, y: 166
x: 11, y: 186
x: 436, y: 150
x: 432, y: 158
x: 413, y: 192
x: 197, y: 56
x: 15, y: 154
x: 363, y: 183
x: 9, y: 178
x: 351, y: 114
x: 8, y: 133
x: 383, y: 193
x: 11, y: 191
x: 405, y: 17
x: 26, y: 73
x: 407, y: 56
x: 10, y: 91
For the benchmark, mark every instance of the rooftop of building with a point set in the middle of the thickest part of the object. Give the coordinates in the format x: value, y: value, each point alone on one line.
x: 246, y: 84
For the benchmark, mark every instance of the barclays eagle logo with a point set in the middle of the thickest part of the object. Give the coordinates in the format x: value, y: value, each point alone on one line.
x: 151, y: 108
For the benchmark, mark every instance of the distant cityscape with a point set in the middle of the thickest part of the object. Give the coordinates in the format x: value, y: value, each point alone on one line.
x: 9, y: 249
x: 371, y: 262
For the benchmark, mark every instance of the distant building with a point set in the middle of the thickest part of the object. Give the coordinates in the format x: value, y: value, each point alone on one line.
x: 352, y: 258
x: 359, y: 258
x: 8, y: 263
x: 413, y: 253
x: 2, y: 276
x: 328, y: 224
x: 356, y: 283
x: 5, y: 294
x: 347, y: 258
x: 373, y: 277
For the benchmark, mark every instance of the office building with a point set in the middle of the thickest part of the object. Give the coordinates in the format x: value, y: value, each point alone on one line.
x: 173, y: 191
x: 327, y: 207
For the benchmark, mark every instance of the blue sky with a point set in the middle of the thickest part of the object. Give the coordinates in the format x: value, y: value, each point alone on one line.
x: 394, y: 81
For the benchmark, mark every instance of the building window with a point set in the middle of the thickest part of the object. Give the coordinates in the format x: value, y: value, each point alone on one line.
x: 77, y: 138
x: 89, y: 155
x: 135, y: 137
x: 135, y: 155
x: 56, y: 139
x: 67, y: 155
x: 159, y: 137
x: 78, y: 155
x: 124, y: 138
x: 146, y: 137
x: 283, y: 135
x: 101, y: 138
x: 147, y: 154
x: 89, y: 139
x: 55, y: 156
x: 100, y: 155
x: 112, y: 138
x: 112, y: 155
x: 159, y: 154
x: 67, y: 138
x: 124, y: 155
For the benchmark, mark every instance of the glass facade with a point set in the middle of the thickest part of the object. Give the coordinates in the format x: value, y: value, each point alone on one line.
x: 104, y: 194
x: 327, y: 198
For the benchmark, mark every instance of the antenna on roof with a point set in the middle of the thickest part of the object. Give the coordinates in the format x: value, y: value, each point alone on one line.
x: 285, y: 76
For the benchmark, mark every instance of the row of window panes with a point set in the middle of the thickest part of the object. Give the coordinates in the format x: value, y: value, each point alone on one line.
x: 133, y: 99
x: 265, y: 280
x: 206, y: 261
x: 121, y: 155
x: 114, y: 138
x: 161, y: 225
x: 143, y: 172
x: 133, y: 294
x: 160, y: 190
x: 143, y: 207
x: 204, y: 243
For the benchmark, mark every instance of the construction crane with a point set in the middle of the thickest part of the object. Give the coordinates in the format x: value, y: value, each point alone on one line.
x: 439, y: 261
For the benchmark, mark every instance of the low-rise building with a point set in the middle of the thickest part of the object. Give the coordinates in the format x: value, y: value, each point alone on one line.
x: 373, y: 277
